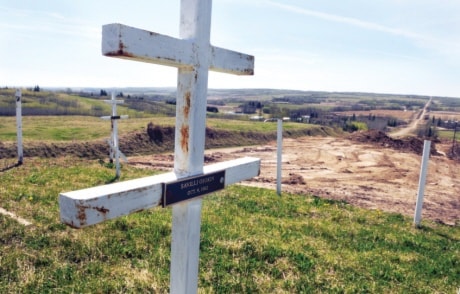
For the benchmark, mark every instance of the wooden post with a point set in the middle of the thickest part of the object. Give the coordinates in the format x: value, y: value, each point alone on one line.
x: 422, y: 181
x: 19, y: 126
x: 279, y: 156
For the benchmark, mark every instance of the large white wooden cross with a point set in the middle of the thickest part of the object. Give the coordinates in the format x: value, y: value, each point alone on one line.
x: 193, y: 55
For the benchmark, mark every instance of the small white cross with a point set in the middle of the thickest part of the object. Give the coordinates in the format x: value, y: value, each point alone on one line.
x: 113, y: 143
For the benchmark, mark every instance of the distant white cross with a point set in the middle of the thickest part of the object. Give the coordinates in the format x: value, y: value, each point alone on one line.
x: 18, y: 97
x: 193, y: 55
x: 114, y: 148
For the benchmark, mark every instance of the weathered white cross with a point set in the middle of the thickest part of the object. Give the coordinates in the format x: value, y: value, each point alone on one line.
x: 114, y: 148
x: 193, y: 56
x: 19, y: 125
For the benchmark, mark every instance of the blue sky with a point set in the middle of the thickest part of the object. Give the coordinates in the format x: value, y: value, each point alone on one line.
x: 385, y: 46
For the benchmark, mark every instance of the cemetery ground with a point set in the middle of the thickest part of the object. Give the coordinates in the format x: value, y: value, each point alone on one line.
x: 342, y: 224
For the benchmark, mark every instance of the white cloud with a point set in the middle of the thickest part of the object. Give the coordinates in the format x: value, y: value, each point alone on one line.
x: 445, y: 46
x: 45, y: 22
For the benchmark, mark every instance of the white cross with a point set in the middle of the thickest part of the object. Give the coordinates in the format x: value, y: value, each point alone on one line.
x: 19, y: 126
x: 193, y: 55
x: 114, y: 148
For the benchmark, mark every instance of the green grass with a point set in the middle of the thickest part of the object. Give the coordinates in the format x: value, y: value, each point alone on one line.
x: 448, y: 134
x: 81, y: 128
x: 254, y: 126
x: 252, y: 241
x: 70, y: 128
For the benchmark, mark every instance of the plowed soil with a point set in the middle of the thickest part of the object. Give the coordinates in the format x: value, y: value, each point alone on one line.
x: 368, y: 170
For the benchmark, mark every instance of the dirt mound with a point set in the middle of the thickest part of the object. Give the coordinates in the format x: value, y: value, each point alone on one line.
x: 131, y: 144
x: 378, y: 138
x: 142, y: 143
x: 294, y: 179
x: 454, y: 152
x: 158, y: 140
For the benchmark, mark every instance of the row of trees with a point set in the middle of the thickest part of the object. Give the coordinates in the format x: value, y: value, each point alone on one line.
x: 250, y: 107
x: 104, y: 93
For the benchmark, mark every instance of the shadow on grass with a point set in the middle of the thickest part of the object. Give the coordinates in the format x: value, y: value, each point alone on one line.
x: 112, y: 180
x: 428, y: 229
x: 7, y: 168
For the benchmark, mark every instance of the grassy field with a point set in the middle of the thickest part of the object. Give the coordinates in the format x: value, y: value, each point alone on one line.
x: 80, y: 128
x: 252, y: 241
x: 70, y: 128
x: 447, y: 134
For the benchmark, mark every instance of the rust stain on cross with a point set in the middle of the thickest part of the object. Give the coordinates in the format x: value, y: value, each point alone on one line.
x: 187, y: 104
x: 81, y: 214
x: 184, y: 131
x: 122, y: 51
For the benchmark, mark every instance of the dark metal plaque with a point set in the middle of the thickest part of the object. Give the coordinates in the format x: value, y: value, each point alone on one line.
x: 192, y: 187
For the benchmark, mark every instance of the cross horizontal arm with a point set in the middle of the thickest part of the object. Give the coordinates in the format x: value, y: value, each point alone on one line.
x: 126, y: 42
x: 107, y: 117
x: 232, y: 62
x: 94, y: 205
x: 114, y: 101
x: 140, y: 45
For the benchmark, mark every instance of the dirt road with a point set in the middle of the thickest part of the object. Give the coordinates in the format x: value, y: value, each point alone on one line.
x: 412, y: 126
x: 365, y: 175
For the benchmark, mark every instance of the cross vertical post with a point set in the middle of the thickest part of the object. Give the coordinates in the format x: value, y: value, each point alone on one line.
x: 115, y: 136
x: 195, y: 24
x: 19, y: 125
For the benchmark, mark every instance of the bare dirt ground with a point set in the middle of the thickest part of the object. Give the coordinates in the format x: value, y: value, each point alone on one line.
x: 368, y: 170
